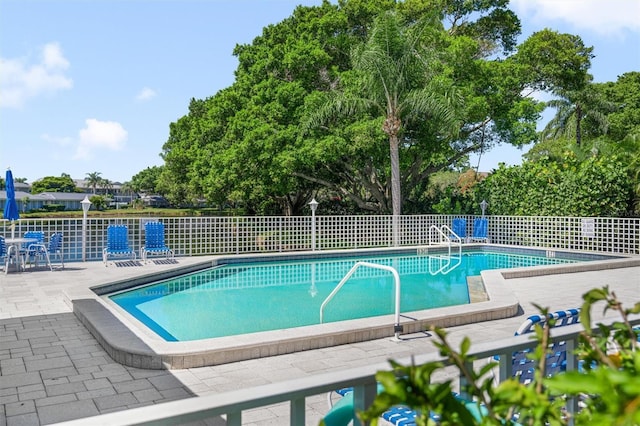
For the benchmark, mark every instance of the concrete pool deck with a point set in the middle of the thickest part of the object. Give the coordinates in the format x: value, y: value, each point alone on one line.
x: 52, y: 369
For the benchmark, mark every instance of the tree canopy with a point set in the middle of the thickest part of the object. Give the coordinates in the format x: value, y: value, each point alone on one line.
x: 247, y: 143
x: 146, y: 181
x: 63, y: 183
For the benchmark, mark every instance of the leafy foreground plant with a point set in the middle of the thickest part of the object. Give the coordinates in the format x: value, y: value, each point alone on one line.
x: 608, y: 385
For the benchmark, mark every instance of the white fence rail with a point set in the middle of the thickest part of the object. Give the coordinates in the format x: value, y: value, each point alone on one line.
x: 232, y: 404
x: 192, y: 236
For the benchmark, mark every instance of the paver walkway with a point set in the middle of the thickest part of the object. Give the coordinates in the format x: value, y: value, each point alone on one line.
x: 51, y: 368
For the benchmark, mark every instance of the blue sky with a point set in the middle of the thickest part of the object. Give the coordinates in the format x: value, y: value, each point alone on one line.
x: 92, y: 85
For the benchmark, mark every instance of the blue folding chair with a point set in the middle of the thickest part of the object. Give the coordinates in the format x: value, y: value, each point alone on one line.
x: 154, y: 241
x: 117, y: 243
x: 35, y: 249
x: 459, y: 227
x: 11, y: 253
x: 42, y: 251
x: 55, y: 249
x: 480, y: 229
x: 4, y: 254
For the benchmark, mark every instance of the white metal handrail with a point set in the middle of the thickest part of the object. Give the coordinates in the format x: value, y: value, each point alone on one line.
x: 397, y: 327
x: 455, y: 239
x: 443, y: 237
x: 447, y: 237
x: 445, y: 268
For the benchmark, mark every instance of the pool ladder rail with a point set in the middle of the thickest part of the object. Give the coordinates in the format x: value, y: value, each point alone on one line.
x: 443, y: 264
x: 397, y: 328
x: 447, y: 236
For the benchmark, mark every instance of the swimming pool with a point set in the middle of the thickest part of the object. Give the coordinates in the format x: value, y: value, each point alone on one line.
x: 236, y: 299
x: 130, y: 342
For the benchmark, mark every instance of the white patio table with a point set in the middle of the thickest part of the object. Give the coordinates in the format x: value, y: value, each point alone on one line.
x: 13, y: 246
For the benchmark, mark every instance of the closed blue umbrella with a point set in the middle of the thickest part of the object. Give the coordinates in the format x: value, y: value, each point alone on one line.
x: 11, y: 207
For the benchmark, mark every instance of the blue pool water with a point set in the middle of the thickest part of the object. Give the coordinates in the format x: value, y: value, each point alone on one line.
x: 253, y: 297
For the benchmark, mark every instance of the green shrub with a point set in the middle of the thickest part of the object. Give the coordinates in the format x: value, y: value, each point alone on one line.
x: 53, y: 207
x: 597, y: 186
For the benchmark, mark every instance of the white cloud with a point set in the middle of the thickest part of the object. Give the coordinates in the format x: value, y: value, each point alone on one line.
x: 97, y: 135
x: 146, y: 94
x: 22, y: 79
x: 52, y: 57
x: 611, y: 17
x: 57, y: 140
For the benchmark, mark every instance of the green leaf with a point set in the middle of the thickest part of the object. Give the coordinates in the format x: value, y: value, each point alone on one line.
x: 465, y: 345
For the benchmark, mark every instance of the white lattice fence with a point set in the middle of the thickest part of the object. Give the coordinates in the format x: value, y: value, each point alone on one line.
x: 192, y: 236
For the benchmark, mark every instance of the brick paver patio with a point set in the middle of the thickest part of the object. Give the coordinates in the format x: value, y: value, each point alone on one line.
x: 52, y: 369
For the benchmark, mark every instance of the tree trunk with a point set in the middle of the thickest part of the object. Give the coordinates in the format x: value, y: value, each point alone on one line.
x: 578, y: 121
x: 391, y: 127
x: 396, y: 198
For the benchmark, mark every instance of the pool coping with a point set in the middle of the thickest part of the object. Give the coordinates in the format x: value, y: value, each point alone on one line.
x: 130, y: 343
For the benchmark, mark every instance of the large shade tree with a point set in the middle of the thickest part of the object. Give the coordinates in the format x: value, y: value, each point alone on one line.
x: 236, y: 146
x: 411, y: 80
x: 246, y: 143
x: 146, y: 181
x: 397, y: 78
x: 63, y: 183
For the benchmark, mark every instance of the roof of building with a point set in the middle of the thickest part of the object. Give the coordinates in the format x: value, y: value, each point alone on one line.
x: 46, y: 196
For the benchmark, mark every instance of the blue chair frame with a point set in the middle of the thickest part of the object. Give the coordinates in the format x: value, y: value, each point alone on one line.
x: 154, y: 241
x: 33, y: 250
x: 556, y: 361
x: 459, y: 227
x: 117, y: 243
x: 4, y: 254
x: 480, y: 229
x: 55, y: 249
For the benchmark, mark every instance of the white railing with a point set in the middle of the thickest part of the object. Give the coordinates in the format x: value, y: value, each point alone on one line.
x: 396, y: 278
x: 193, y: 236
x: 447, y: 236
x: 362, y: 379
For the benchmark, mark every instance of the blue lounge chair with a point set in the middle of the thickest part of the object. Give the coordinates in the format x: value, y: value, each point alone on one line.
x: 154, y: 241
x: 342, y: 412
x: 117, y: 243
x: 556, y: 361
x: 480, y: 228
x: 459, y: 227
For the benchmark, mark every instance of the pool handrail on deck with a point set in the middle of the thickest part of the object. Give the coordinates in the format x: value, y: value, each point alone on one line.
x: 362, y: 379
x: 396, y: 326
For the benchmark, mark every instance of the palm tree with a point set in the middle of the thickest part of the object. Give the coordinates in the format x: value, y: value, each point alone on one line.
x: 107, y: 186
x: 94, y: 179
x: 573, y: 110
x: 396, y: 82
x: 127, y: 189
